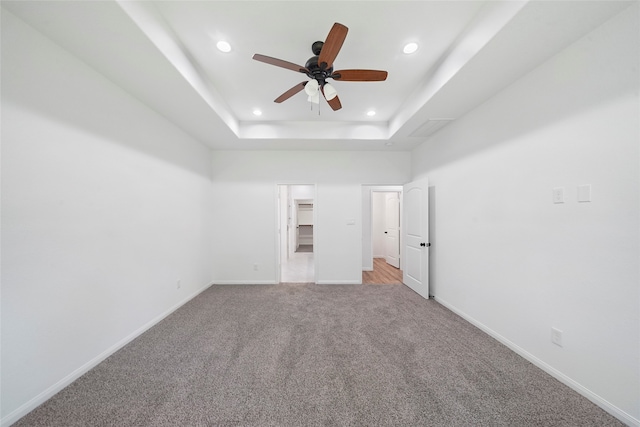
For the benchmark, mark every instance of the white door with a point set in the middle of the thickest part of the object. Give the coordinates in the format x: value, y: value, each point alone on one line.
x: 392, y: 229
x: 415, y: 232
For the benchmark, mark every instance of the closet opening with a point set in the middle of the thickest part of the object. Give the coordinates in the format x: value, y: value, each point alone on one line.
x: 296, y: 232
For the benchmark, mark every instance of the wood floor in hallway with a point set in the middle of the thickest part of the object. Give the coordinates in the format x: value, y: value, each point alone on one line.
x: 382, y: 274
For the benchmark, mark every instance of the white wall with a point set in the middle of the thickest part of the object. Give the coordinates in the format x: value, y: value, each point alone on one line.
x: 305, y: 192
x: 105, y: 205
x: 244, y: 230
x: 516, y: 264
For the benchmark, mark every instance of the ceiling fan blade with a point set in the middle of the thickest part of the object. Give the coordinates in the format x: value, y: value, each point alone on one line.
x: 280, y: 63
x: 334, y: 103
x: 332, y: 45
x: 360, y: 75
x: 288, y: 94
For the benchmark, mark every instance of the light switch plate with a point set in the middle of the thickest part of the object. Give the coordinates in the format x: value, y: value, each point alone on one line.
x: 556, y: 336
x: 584, y: 193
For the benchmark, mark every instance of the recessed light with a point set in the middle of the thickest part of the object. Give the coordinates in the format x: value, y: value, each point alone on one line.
x: 410, y: 47
x: 257, y: 112
x: 371, y: 113
x: 223, y: 46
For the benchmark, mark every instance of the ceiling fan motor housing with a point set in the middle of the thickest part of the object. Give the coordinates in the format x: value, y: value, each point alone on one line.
x: 317, y: 72
x: 316, y: 47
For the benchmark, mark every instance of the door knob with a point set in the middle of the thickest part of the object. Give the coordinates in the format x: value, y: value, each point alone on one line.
x: 425, y: 244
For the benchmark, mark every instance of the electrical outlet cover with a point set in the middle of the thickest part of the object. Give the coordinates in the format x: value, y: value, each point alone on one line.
x: 558, y: 195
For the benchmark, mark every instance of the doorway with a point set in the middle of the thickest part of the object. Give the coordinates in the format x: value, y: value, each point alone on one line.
x: 382, y: 274
x: 382, y: 206
x: 296, y: 220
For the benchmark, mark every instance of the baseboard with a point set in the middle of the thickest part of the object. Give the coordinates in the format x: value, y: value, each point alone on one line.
x: 271, y: 282
x: 339, y: 282
x: 598, y: 400
x: 244, y: 282
x: 64, y: 382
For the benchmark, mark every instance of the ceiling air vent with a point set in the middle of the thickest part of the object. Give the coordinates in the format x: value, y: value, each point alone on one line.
x: 430, y: 127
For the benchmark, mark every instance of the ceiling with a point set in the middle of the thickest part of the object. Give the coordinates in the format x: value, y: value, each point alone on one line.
x: 164, y: 54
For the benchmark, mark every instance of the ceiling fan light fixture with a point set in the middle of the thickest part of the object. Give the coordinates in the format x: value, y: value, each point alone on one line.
x: 329, y: 92
x: 223, y: 46
x: 315, y: 98
x: 311, y: 88
x: 410, y: 48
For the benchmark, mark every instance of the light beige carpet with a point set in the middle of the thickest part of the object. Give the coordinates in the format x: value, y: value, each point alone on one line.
x: 313, y: 355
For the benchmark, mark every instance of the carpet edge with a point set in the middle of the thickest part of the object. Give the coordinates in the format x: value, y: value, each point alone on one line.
x: 579, y: 388
x: 42, y: 397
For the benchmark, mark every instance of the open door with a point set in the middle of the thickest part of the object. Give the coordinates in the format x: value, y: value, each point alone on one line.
x: 415, y: 231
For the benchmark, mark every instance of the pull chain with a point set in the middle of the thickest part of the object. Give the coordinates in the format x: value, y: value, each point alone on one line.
x: 311, y: 102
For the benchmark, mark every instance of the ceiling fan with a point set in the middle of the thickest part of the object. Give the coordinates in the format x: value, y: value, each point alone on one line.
x: 319, y: 68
